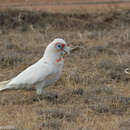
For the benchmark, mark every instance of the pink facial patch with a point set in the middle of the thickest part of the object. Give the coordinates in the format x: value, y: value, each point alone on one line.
x: 63, y: 45
x: 59, y: 60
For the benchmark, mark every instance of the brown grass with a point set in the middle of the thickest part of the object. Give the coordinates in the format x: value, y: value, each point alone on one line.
x: 93, y: 92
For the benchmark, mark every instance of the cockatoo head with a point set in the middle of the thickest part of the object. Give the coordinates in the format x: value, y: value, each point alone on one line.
x: 56, y: 49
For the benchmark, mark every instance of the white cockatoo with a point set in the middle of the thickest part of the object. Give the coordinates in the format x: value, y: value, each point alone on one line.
x: 44, y: 72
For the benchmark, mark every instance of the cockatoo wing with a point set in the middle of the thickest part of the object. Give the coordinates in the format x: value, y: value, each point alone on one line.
x: 32, y: 75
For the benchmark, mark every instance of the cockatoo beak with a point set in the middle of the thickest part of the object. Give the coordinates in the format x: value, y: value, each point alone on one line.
x: 66, y: 49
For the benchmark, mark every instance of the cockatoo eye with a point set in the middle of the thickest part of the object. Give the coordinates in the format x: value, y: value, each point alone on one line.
x: 58, y: 47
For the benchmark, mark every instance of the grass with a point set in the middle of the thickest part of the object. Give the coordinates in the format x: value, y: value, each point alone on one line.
x: 93, y: 92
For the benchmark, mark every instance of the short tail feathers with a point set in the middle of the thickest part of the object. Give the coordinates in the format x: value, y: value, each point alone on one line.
x: 3, y: 85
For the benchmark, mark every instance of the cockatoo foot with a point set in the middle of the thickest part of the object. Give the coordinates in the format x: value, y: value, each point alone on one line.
x: 38, y: 98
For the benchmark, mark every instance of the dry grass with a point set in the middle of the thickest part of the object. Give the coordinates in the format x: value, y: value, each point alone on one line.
x: 93, y: 92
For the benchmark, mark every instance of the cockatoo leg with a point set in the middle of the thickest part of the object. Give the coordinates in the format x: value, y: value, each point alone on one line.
x: 39, y: 91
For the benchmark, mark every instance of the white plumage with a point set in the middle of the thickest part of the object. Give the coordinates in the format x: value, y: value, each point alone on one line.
x: 44, y: 72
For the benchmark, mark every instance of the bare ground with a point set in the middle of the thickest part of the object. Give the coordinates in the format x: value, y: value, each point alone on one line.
x: 93, y: 92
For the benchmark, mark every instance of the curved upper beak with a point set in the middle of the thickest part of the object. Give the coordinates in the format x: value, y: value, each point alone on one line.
x: 67, y: 49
